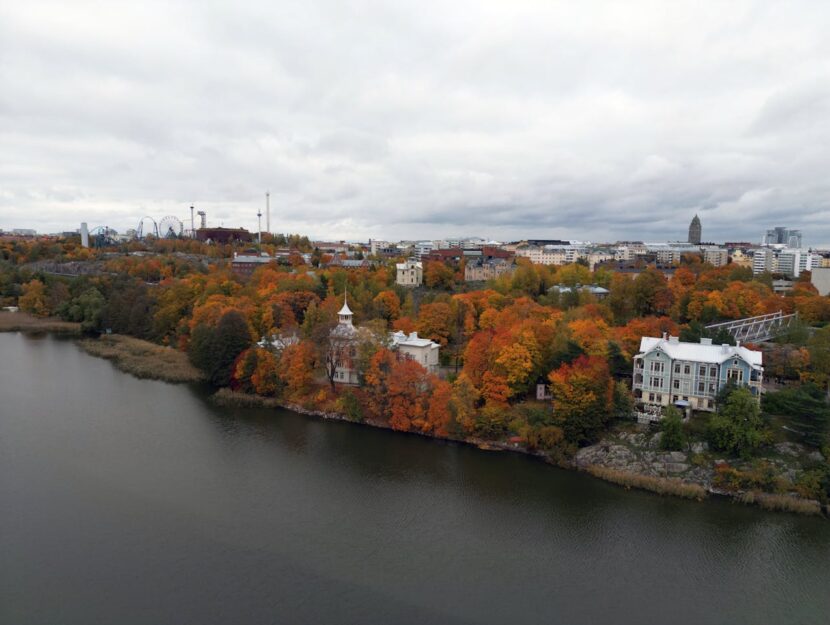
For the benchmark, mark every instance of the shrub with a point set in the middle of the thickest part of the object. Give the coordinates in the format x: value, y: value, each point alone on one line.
x: 350, y: 405
x: 673, y: 439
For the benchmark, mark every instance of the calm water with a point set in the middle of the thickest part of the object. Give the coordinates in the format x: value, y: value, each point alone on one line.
x: 128, y: 501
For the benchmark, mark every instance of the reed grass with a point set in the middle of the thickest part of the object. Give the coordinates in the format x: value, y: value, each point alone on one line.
x: 23, y: 322
x: 142, y: 358
x: 659, y: 485
x: 783, y: 503
x: 228, y: 397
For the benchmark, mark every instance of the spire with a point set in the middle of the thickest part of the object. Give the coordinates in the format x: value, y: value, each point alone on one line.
x: 345, y: 315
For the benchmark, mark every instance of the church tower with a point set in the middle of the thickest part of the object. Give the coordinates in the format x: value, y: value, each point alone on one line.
x: 695, y: 231
x: 345, y: 315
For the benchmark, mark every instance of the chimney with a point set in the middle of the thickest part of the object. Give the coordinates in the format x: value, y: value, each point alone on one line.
x: 665, y: 335
x: 674, y: 339
x: 725, y: 348
x: 705, y: 341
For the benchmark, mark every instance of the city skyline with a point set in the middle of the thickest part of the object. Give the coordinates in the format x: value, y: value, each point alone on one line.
x: 403, y: 122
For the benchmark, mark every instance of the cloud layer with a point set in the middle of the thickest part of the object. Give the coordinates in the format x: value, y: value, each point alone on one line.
x: 395, y: 120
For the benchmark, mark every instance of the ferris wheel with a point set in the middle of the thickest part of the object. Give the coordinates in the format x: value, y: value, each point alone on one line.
x: 170, y: 227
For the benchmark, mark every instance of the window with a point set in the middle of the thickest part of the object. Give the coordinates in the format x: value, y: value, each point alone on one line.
x: 674, y: 398
x: 735, y: 375
x: 651, y: 396
x: 700, y: 387
x: 687, y: 369
x: 711, y: 387
x: 657, y: 367
x: 677, y: 367
x: 702, y: 371
x: 676, y: 384
x: 713, y: 371
x: 657, y: 382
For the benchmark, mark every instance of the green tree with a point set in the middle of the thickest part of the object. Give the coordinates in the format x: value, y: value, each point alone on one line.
x: 819, y: 347
x: 674, y: 439
x: 87, y: 308
x: 805, y: 411
x: 737, y: 428
x: 214, y: 350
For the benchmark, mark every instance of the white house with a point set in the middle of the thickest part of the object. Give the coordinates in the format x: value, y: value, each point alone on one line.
x: 668, y: 371
x: 278, y: 342
x: 410, y: 273
x: 422, y: 351
x: 344, y: 341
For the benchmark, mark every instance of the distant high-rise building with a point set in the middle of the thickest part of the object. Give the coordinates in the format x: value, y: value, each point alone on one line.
x: 695, y: 231
x: 783, y: 236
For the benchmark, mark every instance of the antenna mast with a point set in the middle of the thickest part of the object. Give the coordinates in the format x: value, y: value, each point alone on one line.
x: 268, y: 212
x: 259, y: 226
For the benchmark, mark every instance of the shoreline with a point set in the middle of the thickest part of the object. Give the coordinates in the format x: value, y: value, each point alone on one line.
x: 142, y: 359
x: 146, y: 360
x: 663, y: 486
x: 24, y: 322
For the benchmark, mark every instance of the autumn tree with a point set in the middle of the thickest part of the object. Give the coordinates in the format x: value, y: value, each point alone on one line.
x: 434, y: 322
x: 265, y: 377
x: 439, y: 413
x: 377, y: 381
x: 243, y: 369
x: 652, y: 295
x: 438, y: 275
x: 583, y: 398
x: 33, y: 300
x: 517, y: 360
x: 296, y: 368
x: 465, y: 398
x: 408, y: 386
x: 387, y: 305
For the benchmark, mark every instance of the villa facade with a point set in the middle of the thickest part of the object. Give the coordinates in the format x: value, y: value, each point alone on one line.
x: 668, y: 371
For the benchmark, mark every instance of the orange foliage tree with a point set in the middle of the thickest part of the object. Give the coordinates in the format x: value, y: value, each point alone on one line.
x: 583, y: 397
x: 296, y: 368
x: 434, y: 322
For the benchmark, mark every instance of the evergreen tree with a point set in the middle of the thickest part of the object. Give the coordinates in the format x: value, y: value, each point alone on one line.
x: 214, y: 350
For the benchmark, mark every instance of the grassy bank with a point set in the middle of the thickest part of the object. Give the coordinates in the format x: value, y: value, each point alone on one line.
x: 23, y: 322
x: 143, y: 359
x: 227, y: 397
x: 782, y: 503
x: 659, y: 485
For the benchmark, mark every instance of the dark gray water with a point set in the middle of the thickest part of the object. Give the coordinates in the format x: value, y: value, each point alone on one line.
x: 129, y: 501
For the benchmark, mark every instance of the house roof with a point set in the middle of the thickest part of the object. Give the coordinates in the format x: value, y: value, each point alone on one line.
x: 412, y: 340
x: 700, y: 352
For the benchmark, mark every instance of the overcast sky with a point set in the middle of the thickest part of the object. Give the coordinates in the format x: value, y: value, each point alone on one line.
x: 396, y: 120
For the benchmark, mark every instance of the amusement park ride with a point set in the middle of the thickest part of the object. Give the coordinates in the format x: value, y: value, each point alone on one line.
x: 167, y: 228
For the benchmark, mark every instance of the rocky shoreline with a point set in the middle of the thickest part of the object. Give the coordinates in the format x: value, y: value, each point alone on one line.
x: 636, y: 453
x: 629, y: 459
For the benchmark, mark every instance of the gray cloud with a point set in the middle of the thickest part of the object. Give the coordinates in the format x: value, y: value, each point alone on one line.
x: 592, y: 121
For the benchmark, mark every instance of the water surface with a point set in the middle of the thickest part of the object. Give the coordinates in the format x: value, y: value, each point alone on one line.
x: 132, y: 501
